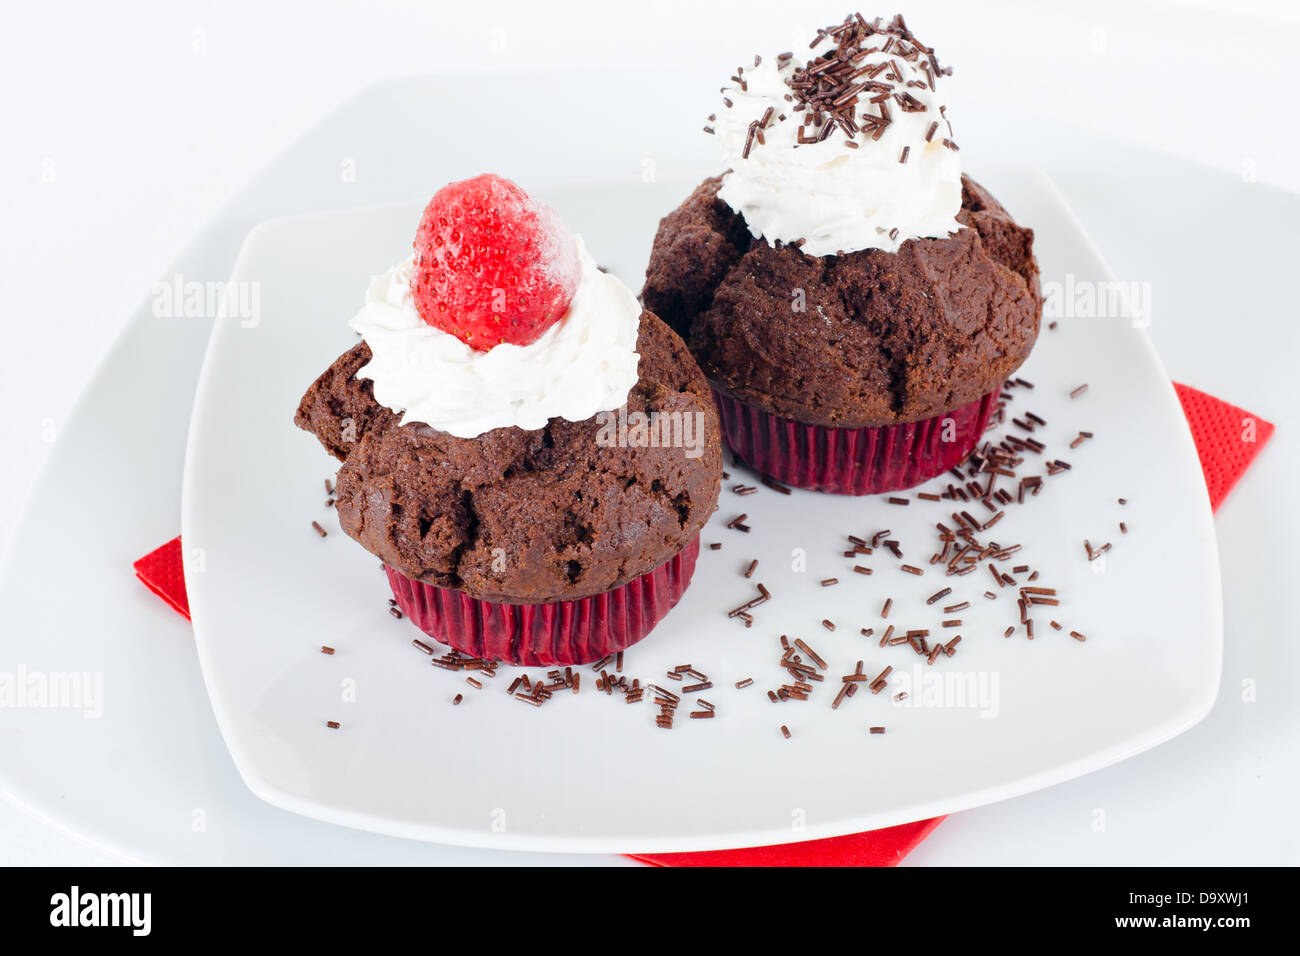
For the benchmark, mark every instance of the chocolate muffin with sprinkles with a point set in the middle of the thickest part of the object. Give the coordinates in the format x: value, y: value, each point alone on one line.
x: 853, y: 298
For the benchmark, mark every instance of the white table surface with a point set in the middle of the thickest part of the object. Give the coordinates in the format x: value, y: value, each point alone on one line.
x: 111, y: 184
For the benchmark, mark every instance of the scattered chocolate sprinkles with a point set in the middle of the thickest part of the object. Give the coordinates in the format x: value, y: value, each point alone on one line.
x: 318, y: 529
x: 1094, y: 554
x: 742, y: 611
x: 810, y: 652
x: 986, y: 483
x: 326, y: 649
x: 938, y: 596
x: 832, y: 89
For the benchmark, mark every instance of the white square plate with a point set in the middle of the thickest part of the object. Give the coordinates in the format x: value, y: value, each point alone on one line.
x: 590, y: 773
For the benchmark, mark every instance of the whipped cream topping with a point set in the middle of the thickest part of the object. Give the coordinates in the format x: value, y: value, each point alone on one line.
x: 834, y: 196
x: 584, y: 364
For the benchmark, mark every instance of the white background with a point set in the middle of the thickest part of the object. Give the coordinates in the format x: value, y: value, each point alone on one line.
x: 126, y: 128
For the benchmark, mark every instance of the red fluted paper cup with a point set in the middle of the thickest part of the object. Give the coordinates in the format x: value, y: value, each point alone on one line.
x: 563, y: 632
x: 852, y: 461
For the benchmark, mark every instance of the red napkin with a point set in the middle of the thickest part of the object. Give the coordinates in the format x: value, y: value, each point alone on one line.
x: 162, y: 572
x: 1227, y: 439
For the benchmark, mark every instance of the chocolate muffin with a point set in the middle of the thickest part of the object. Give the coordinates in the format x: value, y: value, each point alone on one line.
x: 882, y: 338
x: 854, y: 300
x: 572, y: 516
x: 529, y: 453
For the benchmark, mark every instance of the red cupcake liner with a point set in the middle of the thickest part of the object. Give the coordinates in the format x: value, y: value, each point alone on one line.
x: 852, y: 461
x: 563, y: 632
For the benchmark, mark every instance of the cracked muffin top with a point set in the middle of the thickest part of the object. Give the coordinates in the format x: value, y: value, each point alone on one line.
x: 859, y: 339
x: 525, y: 515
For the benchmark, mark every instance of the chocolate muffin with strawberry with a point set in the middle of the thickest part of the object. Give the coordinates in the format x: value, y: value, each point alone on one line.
x: 530, y: 454
x: 854, y: 300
